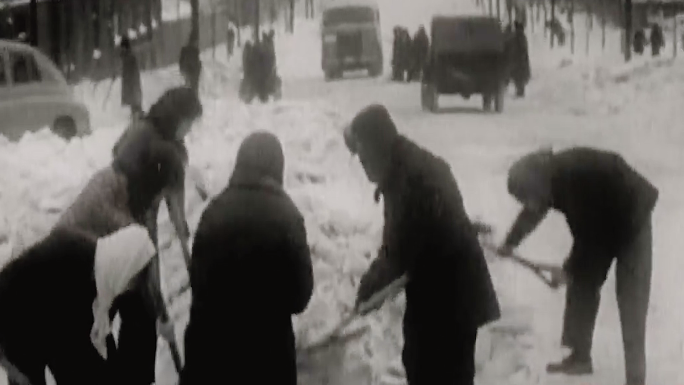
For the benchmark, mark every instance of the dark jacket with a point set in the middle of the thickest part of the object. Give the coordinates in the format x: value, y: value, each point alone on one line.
x: 189, y: 61
x: 46, y: 297
x: 151, y: 163
x: 250, y: 272
x: 605, y: 202
x: 428, y: 235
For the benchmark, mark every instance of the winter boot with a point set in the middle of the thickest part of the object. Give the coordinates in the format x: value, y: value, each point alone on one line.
x: 575, y: 364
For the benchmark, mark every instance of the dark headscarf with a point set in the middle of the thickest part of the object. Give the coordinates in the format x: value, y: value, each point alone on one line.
x: 171, y: 108
x: 260, y: 159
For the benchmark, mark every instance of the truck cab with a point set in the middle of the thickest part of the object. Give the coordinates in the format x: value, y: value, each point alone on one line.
x: 351, y: 38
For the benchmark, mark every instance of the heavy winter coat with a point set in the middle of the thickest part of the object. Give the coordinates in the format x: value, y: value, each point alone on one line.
x: 250, y: 272
x: 606, y: 203
x: 520, y: 56
x: 122, y: 193
x: 46, y: 297
x: 428, y: 235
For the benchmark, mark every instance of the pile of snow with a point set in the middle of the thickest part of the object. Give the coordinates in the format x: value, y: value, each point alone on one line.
x: 43, y: 174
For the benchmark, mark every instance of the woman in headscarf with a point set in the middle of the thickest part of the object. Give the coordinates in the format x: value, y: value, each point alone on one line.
x: 148, y: 165
x: 250, y: 272
x: 55, y: 299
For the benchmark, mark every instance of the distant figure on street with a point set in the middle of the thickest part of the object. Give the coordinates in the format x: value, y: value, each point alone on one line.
x: 419, y: 53
x: 131, y: 89
x: 557, y: 30
x: 401, y: 53
x: 230, y: 41
x: 657, y: 39
x: 520, y: 59
x: 639, y: 41
x: 607, y: 206
x: 191, y: 65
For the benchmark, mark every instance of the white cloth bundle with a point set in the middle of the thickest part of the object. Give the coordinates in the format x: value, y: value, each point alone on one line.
x: 119, y: 258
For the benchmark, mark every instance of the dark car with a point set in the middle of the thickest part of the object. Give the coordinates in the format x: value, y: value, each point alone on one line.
x: 466, y: 57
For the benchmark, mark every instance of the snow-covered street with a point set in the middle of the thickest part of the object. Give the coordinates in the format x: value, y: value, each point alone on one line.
x: 582, y: 99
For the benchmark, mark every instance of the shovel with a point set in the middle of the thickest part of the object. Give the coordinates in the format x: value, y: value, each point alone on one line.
x: 335, y: 336
x: 555, y: 276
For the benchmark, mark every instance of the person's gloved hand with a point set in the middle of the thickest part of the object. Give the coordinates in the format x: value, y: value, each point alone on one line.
x: 365, y: 292
x: 504, y: 250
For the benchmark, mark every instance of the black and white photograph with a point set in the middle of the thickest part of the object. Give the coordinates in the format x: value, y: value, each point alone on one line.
x: 341, y: 192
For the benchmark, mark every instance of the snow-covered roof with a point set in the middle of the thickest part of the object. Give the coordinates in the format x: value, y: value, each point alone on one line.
x: 330, y: 4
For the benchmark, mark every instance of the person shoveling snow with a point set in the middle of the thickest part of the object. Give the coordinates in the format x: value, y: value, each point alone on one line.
x: 429, y: 237
x: 148, y: 166
x: 56, y: 300
x: 608, y: 207
x: 251, y: 271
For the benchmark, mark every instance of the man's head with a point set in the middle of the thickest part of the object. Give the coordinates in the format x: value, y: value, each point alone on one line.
x: 371, y: 135
x: 529, y: 179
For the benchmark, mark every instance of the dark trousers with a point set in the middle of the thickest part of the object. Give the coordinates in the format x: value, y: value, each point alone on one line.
x: 633, y: 286
x: 449, y: 363
x: 133, y: 362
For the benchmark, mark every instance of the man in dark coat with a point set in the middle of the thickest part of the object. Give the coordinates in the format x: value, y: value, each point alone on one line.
x: 520, y: 66
x: 639, y: 41
x: 657, y: 39
x: 48, y: 297
x: 190, y: 65
x: 428, y: 236
x: 399, y: 54
x: 608, y: 206
x: 419, y: 49
x: 131, y: 90
x: 238, y: 305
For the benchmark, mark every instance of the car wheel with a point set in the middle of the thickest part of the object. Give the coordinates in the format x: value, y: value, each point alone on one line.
x: 64, y: 127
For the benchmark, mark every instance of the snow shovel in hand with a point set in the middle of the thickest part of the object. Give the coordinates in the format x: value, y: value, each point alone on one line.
x: 556, y: 276
x: 336, y: 336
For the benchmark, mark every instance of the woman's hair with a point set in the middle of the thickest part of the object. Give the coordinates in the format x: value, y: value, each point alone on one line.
x: 174, y: 106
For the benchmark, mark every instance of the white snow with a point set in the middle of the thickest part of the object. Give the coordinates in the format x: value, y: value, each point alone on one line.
x: 574, y: 99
